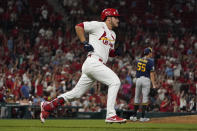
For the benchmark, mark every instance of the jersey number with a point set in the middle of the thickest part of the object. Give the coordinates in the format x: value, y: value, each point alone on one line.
x: 141, y: 67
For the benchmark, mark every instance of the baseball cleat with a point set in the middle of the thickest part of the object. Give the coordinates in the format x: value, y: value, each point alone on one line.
x: 144, y: 119
x: 115, y: 119
x: 133, y: 118
x: 43, y: 114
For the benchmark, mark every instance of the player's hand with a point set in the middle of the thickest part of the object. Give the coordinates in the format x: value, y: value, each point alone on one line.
x: 118, y: 51
x: 87, y: 46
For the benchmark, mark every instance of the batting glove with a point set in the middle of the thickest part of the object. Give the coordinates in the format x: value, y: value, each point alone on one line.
x: 87, y: 46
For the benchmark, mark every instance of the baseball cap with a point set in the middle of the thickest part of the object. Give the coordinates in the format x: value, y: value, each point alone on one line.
x: 147, y: 51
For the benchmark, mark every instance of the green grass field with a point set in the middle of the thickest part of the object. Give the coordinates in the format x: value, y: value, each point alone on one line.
x: 87, y: 125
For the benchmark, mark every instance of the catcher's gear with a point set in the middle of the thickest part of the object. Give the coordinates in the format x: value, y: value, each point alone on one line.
x: 87, y: 46
x: 109, y: 12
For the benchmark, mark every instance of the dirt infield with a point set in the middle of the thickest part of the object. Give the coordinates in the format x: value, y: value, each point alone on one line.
x: 191, y: 119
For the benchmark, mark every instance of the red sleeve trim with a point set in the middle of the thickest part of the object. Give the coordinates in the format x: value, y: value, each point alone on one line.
x: 112, y: 53
x: 81, y: 25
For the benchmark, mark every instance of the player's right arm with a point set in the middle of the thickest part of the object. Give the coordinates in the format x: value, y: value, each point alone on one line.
x: 79, y: 28
x: 89, y: 27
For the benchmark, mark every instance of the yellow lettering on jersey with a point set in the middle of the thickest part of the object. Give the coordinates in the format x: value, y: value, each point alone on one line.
x: 143, y: 60
x: 104, y: 38
x: 141, y: 67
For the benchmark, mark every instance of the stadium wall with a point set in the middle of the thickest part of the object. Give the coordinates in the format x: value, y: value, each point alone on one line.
x: 70, y: 112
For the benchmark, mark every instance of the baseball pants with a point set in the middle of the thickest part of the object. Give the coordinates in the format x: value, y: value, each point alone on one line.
x: 142, y: 87
x: 92, y: 70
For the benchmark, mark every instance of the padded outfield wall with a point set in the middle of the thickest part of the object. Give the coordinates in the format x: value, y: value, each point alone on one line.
x: 32, y: 112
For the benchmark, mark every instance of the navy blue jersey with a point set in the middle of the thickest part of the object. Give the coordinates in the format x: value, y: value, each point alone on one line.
x: 144, y: 67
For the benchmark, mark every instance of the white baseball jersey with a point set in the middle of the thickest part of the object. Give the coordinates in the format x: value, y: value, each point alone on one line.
x: 101, y: 38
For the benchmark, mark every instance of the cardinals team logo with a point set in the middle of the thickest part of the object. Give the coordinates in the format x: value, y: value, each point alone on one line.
x: 106, y: 40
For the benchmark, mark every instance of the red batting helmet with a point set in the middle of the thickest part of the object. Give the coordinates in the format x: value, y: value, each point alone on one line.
x: 109, y: 12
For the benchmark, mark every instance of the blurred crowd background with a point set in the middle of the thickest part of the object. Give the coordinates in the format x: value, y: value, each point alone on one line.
x: 41, y: 56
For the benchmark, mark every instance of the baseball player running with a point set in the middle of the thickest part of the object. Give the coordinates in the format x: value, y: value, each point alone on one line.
x: 100, y: 47
x: 145, y: 74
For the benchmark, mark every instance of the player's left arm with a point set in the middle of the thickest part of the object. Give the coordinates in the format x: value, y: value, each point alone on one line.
x: 152, y: 77
x: 116, y: 52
